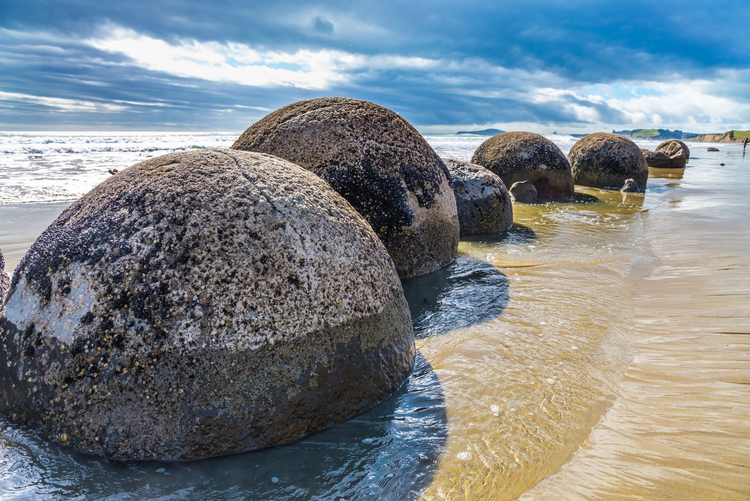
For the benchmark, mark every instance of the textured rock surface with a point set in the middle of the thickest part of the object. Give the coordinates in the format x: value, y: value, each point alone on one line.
x: 630, y: 186
x: 604, y: 160
x: 656, y: 158
x: 483, y: 201
x: 198, y: 304
x: 677, y: 152
x: 711, y: 148
x: 4, y: 281
x: 525, y: 156
x: 524, y: 192
x: 380, y: 164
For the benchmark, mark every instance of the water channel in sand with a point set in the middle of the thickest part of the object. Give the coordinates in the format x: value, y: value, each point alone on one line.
x: 598, y: 350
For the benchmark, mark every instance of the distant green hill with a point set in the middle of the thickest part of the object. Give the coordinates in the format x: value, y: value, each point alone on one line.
x: 483, y: 132
x: 656, y: 134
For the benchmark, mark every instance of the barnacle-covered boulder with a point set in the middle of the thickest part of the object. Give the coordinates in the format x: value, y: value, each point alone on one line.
x: 379, y: 163
x: 604, y: 160
x: 524, y: 192
x: 200, y: 304
x: 483, y: 201
x: 525, y: 156
x: 4, y: 281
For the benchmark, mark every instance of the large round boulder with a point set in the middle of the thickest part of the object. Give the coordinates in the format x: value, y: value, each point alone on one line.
x: 380, y: 164
x: 483, y: 201
x: 676, y: 151
x: 604, y: 160
x: 525, y: 156
x: 200, y: 304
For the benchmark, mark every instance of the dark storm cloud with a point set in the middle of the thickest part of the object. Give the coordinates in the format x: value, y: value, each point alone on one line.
x: 433, y: 62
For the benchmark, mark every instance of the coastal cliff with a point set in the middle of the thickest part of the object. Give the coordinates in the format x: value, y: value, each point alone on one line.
x: 733, y: 136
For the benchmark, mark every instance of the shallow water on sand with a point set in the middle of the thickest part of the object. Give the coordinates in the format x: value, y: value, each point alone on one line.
x: 600, y: 349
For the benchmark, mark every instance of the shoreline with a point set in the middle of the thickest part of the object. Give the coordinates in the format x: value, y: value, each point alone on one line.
x: 20, y: 226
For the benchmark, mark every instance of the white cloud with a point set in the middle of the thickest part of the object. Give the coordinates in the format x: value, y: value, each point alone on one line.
x: 63, y: 105
x: 244, y: 65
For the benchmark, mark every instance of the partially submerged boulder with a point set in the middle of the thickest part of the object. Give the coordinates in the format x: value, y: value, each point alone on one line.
x: 524, y: 192
x: 630, y: 186
x: 671, y: 154
x: 482, y: 200
x: 199, y: 304
x: 605, y: 160
x: 380, y: 164
x: 525, y: 156
x: 656, y: 158
x: 711, y: 148
x: 677, y: 151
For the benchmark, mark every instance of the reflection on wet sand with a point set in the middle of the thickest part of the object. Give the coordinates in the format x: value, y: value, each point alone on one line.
x: 524, y: 389
x: 658, y: 173
x: 679, y: 429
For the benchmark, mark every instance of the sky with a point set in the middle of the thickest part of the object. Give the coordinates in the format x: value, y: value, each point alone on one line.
x: 544, y: 66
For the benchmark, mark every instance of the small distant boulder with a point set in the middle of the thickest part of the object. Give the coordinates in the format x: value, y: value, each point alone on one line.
x: 379, y: 163
x: 4, y: 281
x: 524, y: 192
x: 676, y: 151
x: 604, y: 160
x: 483, y: 202
x: 630, y: 186
x: 711, y: 148
x: 525, y: 156
x: 199, y: 304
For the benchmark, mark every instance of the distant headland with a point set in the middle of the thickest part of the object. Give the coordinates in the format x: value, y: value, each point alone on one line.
x: 483, y: 132
x: 732, y: 136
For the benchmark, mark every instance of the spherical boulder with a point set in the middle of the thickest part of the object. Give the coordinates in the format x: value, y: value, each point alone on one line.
x: 677, y: 152
x: 199, y: 304
x: 604, y: 160
x: 380, y: 164
x: 524, y: 192
x: 483, y: 201
x: 525, y: 156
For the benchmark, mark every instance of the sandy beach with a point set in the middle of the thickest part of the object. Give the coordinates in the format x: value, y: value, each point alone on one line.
x: 21, y: 224
x: 616, y: 366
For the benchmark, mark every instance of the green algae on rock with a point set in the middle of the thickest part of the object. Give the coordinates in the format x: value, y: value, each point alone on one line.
x: 379, y: 163
x: 200, y: 304
x: 525, y: 156
x: 482, y: 200
x: 604, y: 160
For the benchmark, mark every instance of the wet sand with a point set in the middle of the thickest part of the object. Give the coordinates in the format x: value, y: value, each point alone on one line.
x: 21, y: 225
x: 680, y: 427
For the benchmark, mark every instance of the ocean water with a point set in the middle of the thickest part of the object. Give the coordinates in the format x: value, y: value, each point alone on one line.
x: 600, y: 349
